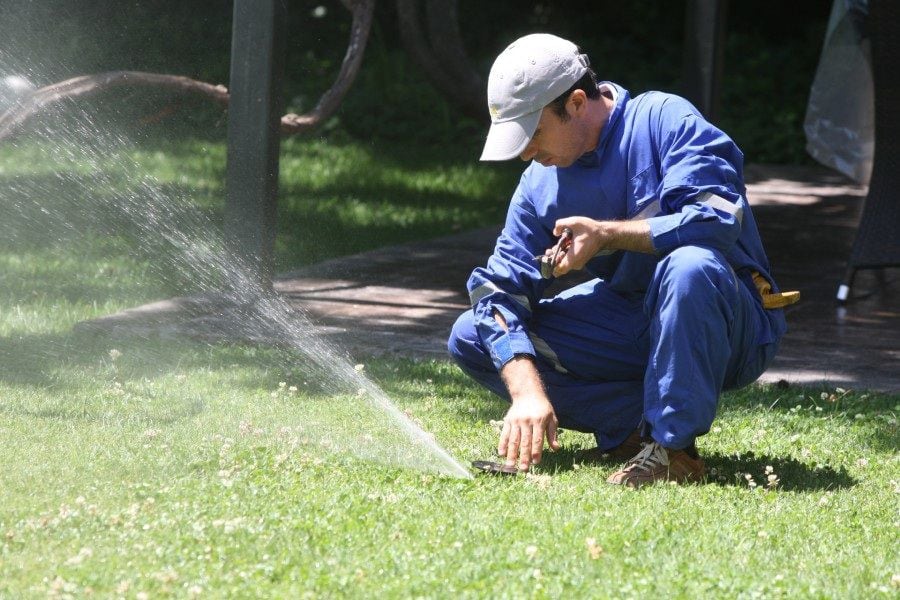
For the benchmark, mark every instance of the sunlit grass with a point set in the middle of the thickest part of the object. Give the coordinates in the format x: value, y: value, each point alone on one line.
x: 189, y: 477
x: 374, y: 195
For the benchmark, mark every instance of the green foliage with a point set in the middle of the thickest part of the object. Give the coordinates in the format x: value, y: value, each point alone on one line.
x: 765, y: 89
x: 769, y: 62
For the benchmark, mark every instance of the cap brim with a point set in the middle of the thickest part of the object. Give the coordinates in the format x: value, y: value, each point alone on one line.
x: 509, y: 139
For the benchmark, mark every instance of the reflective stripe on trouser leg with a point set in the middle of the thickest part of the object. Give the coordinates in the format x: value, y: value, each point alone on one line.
x: 702, y: 325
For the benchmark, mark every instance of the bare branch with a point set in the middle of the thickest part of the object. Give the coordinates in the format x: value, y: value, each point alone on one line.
x: 87, y: 85
x: 330, y: 101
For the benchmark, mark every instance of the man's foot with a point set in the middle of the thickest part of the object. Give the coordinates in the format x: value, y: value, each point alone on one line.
x: 655, y: 463
x: 631, y: 446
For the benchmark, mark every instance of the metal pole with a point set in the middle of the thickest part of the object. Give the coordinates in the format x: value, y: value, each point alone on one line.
x: 254, y: 114
x: 704, y: 54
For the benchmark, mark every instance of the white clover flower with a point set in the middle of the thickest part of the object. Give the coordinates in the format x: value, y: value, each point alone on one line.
x: 79, y: 558
x: 594, y: 549
x: 114, y: 354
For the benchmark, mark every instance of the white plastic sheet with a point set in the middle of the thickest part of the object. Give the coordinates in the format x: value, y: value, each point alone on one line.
x: 840, y: 116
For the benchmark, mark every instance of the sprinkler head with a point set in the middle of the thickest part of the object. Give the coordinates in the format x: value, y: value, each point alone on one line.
x: 494, y: 468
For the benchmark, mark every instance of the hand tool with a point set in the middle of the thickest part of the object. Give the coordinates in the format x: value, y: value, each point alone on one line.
x: 549, y: 261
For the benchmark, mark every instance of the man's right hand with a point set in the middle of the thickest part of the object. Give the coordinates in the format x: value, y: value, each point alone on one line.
x: 528, y: 420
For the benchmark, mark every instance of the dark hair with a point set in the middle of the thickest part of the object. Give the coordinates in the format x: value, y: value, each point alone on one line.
x: 587, y: 84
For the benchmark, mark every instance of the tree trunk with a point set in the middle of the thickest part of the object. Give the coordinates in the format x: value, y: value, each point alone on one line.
x: 440, y: 52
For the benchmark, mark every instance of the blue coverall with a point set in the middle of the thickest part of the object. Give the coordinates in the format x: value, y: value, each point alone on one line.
x: 655, y: 338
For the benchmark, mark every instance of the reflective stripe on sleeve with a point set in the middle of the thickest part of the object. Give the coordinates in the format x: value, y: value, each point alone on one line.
x: 486, y: 289
x: 651, y: 210
x: 720, y: 203
x: 544, y: 349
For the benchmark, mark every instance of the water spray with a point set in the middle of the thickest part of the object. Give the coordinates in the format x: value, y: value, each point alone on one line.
x: 185, y: 246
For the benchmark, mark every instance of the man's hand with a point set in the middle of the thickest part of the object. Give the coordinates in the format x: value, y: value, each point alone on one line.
x: 524, y: 427
x: 529, y: 419
x: 590, y: 237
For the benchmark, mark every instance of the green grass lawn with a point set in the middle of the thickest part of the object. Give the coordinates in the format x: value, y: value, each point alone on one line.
x: 160, y: 467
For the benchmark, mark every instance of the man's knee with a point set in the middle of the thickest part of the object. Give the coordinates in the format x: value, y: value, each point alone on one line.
x: 466, y: 349
x: 690, y: 271
x: 690, y: 262
x: 464, y: 344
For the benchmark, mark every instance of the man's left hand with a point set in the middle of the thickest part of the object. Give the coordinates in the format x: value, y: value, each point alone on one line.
x: 590, y: 237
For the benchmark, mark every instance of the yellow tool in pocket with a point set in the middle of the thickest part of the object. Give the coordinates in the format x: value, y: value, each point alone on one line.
x: 770, y: 300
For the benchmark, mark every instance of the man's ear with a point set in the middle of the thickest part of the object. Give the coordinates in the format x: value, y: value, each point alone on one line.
x: 576, y: 103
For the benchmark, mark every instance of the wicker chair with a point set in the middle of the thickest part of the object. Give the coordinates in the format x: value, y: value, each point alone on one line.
x: 877, y: 242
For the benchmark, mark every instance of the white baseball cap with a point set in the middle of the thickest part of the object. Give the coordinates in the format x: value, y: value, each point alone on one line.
x: 532, y: 72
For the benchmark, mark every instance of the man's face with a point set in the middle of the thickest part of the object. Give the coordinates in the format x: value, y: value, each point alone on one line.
x: 555, y: 141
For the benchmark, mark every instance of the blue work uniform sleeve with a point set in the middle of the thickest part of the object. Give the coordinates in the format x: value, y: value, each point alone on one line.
x: 701, y: 192
x: 511, y: 284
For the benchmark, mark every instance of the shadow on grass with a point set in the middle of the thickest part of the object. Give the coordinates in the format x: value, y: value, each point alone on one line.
x: 793, y: 475
x: 726, y: 470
